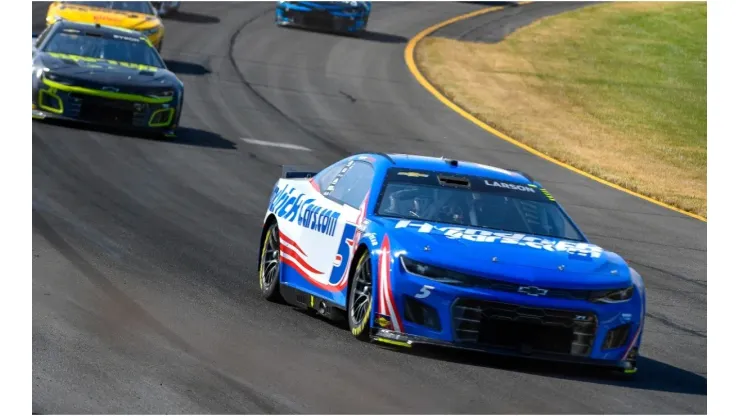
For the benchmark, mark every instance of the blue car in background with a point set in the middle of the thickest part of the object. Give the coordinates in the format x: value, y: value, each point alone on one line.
x: 336, y: 16
x: 418, y: 250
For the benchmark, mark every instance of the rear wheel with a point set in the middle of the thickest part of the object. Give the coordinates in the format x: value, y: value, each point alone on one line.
x: 361, y: 298
x: 269, y: 271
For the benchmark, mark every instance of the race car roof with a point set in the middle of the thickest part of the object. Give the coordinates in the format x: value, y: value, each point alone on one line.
x: 443, y: 165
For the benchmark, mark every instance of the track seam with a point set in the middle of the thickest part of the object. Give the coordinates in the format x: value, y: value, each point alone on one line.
x: 409, y: 57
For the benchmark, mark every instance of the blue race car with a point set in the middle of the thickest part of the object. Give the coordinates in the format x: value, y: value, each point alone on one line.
x: 338, y: 16
x: 420, y: 250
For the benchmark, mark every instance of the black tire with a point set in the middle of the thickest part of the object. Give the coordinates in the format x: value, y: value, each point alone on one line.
x: 359, y: 304
x: 269, y: 265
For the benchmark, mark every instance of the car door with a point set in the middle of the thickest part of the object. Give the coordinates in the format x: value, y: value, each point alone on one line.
x: 318, y: 226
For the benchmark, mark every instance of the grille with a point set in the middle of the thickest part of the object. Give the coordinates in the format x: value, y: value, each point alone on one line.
x: 104, y: 110
x: 524, y: 329
x: 312, y: 18
x: 93, y: 101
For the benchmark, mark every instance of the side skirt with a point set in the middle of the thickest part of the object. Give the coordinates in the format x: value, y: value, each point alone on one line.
x: 307, y: 301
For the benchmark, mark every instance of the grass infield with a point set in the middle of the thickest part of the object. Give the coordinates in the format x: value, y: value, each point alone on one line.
x: 618, y: 90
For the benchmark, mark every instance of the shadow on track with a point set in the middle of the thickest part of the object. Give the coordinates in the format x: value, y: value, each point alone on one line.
x: 187, y: 17
x: 200, y: 138
x: 367, y: 35
x: 185, y: 135
x: 186, y: 68
x: 371, y: 36
x: 652, y: 375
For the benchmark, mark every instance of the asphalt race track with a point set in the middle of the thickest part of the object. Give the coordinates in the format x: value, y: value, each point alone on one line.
x: 145, y: 295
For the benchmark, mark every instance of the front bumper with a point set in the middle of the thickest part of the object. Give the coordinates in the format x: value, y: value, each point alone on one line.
x: 385, y: 336
x: 51, y: 100
x: 552, y: 329
x: 320, y: 19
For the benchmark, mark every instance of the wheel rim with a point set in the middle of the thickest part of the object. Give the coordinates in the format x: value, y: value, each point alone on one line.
x: 362, y: 291
x: 270, y: 258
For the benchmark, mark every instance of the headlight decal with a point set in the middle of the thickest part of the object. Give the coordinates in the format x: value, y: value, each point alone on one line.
x: 59, y: 79
x: 612, y: 296
x: 161, y: 94
x: 150, y: 32
x: 432, y: 272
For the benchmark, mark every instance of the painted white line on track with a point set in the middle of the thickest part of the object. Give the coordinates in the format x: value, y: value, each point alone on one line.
x: 276, y: 144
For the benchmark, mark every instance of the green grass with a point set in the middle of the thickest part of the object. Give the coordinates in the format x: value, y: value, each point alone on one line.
x: 639, y: 70
x: 624, y: 81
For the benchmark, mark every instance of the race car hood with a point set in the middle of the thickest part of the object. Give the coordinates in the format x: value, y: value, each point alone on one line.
x: 108, y: 17
x: 107, y: 71
x: 519, y: 258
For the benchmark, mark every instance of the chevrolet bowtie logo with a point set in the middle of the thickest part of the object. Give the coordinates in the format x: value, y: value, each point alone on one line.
x: 532, y: 291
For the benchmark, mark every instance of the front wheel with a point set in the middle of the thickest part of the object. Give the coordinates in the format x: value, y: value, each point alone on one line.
x: 269, y: 271
x: 361, y: 298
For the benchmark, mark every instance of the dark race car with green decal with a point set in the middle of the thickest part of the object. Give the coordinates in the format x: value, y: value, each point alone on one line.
x: 103, y: 75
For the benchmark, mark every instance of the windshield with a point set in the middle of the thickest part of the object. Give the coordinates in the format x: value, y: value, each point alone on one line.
x: 474, y: 202
x: 128, y: 6
x: 108, y: 47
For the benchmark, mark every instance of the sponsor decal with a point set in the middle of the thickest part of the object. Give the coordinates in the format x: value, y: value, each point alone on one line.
x: 330, y: 188
x: 414, y: 174
x: 547, y: 194
x: 485, y: 236
x: 383, y: 321
x: 128, y: 38
x: 105, y: 18
x: 373, y: 238
x: 362, y: 226
x: 512, y: 186
x: 293, y: 206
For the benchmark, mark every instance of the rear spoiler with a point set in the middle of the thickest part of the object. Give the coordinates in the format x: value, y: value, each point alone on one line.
x: 298, y: 172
